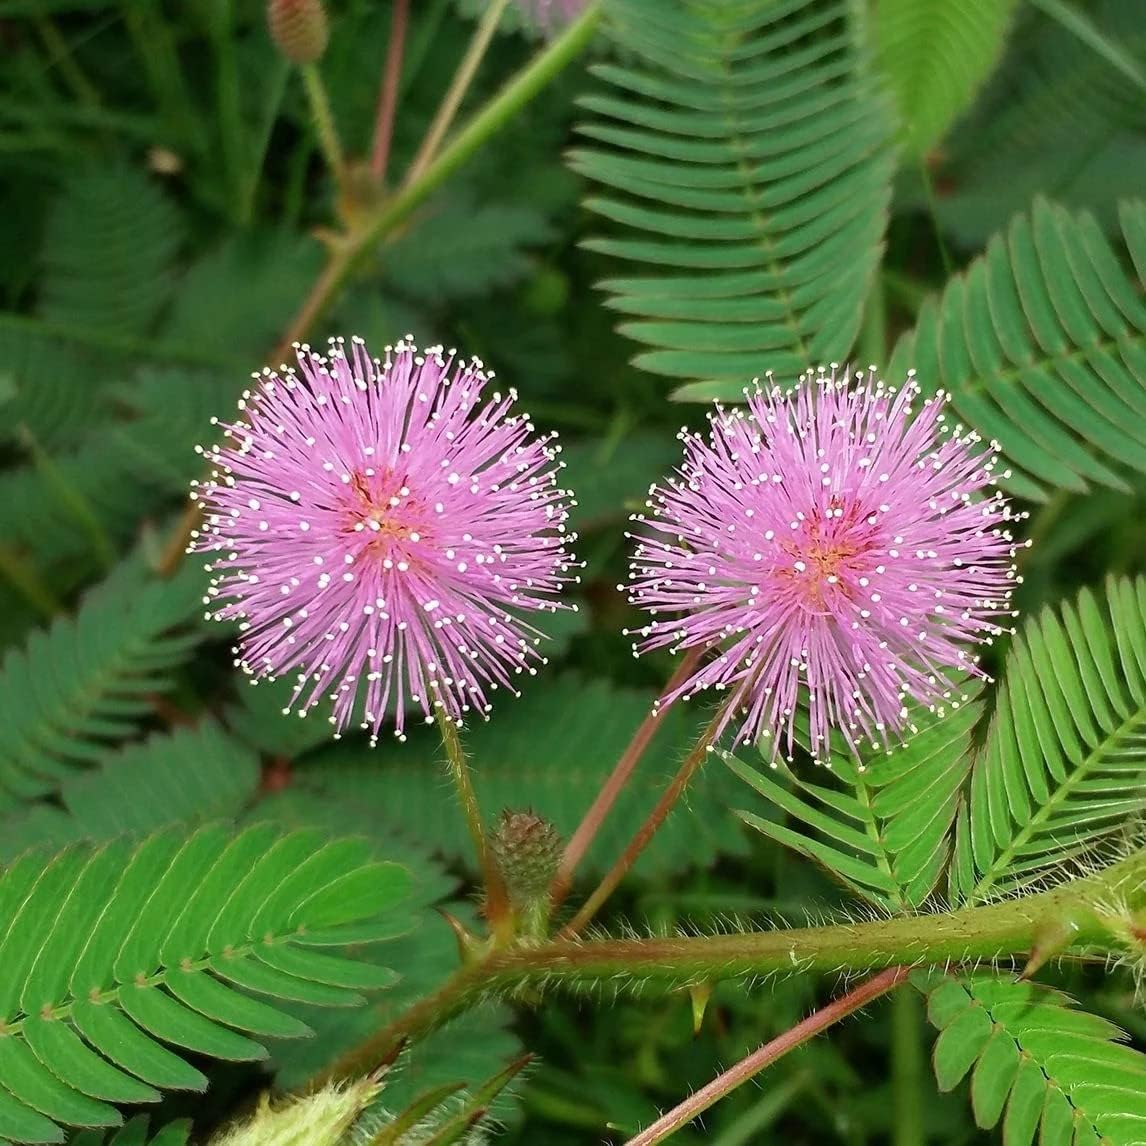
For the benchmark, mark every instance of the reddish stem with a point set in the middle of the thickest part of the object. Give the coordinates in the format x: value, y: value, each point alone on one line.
x: 388, y: 92
x: 746, y: 1068
x: 587, y: 829
x: 689, y: 767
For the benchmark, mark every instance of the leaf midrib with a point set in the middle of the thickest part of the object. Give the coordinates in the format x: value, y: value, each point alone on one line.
x: 750, y: 194
x: 1057, y: 799
x: 1047, y: 1079
x: 111, y: 994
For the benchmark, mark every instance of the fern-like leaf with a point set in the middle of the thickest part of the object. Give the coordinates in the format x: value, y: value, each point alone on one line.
x: 936, y: 54
x: 880, y: 826
x: 464, y: 249
x: 108, y: 251
x: 749, y: 153
x: 110, y: 952
x: 131, y: 468
x: 1037, y: 1063
x: 78, y: 687
x: 1042, y: 345
x: 55, y: 391
x: 1064, y: 760
x: 189, y: 776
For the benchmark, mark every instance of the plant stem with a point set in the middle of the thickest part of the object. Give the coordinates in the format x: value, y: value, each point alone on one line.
x: 696, y: 1104
x: 1003, y: 931
x: 496, y: 901
x: 227, y: 99
x: 392, y: 213
x: 151, y: 36
x: 388, y: 92
x: 590, y: 824
x: 688, y: 769
x: 451, y: 101
x: 60, y: 56
x: 907, y: 1070
x: 323, y: 120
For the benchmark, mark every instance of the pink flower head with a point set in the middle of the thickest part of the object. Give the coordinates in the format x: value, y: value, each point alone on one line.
x: 832, y: 544
x: 381, y: 527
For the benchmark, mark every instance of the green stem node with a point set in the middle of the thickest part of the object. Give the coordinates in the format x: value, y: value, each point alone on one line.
x: 1006, y: 930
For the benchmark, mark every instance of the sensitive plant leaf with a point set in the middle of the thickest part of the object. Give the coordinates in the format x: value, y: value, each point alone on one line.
x: 1064, y: 760
x: 747, y: 155
x: 108, y: 251
x: 53, y: 391
x: 1035, y: 1063
x: 77, y: 688
x: 462, y: 249
x: 1040, y: 344
x: 111, y: 951
x: 139, y: 462
x: 1055, y: 115
x: 473, y: 1046
x: 882, y: 825
x: 235, y: 296
x: 188, y: 776
x: 136, y: 1132
x: 936, y: 54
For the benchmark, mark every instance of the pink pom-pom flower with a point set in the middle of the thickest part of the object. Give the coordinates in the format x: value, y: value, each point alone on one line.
x: 380, y: 529
x: 838, y: 545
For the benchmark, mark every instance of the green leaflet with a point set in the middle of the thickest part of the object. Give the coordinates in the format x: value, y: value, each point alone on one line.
x: 1035, y: 1063
x: 1064, y: 760
x: 1042, y: 345
x: 881, y: 827
x: 135, y: 1133
x: 748, y: 158
x: 188, y: 776
x: 134, y: 466
x: 77, y: 688
x: 109, y: 949
x: 108, y: 251
x: 462, y: 249
x: 1057, y: 115
x: 936, y: 54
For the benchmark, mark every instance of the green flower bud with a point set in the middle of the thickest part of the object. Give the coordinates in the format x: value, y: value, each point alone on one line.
x: 298, y: 28
x: 527, y: 850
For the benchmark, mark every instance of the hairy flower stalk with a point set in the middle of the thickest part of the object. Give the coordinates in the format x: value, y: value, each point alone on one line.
x: 380, y: 529
x: 840, y: 544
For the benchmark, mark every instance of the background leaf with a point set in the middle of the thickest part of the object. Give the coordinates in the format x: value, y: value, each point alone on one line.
x: 747, y: 155
x: 936, y: 54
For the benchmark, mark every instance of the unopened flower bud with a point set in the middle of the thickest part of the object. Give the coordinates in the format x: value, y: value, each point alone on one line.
x: 526, y: 849
x: 298, y: 28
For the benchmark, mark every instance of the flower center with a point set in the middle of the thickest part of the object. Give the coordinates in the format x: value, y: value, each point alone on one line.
x: 385, y: 512
x: 831, y: 546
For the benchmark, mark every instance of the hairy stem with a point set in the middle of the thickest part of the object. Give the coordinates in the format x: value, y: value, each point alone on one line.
x: 496, y: 900
x: 696, y: 1104
x: 689, y: 767
x: 590, y: 824
x: 460, y: 84
x: 323, y: 121
x: 998, y: 931
x: 388, y: 92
